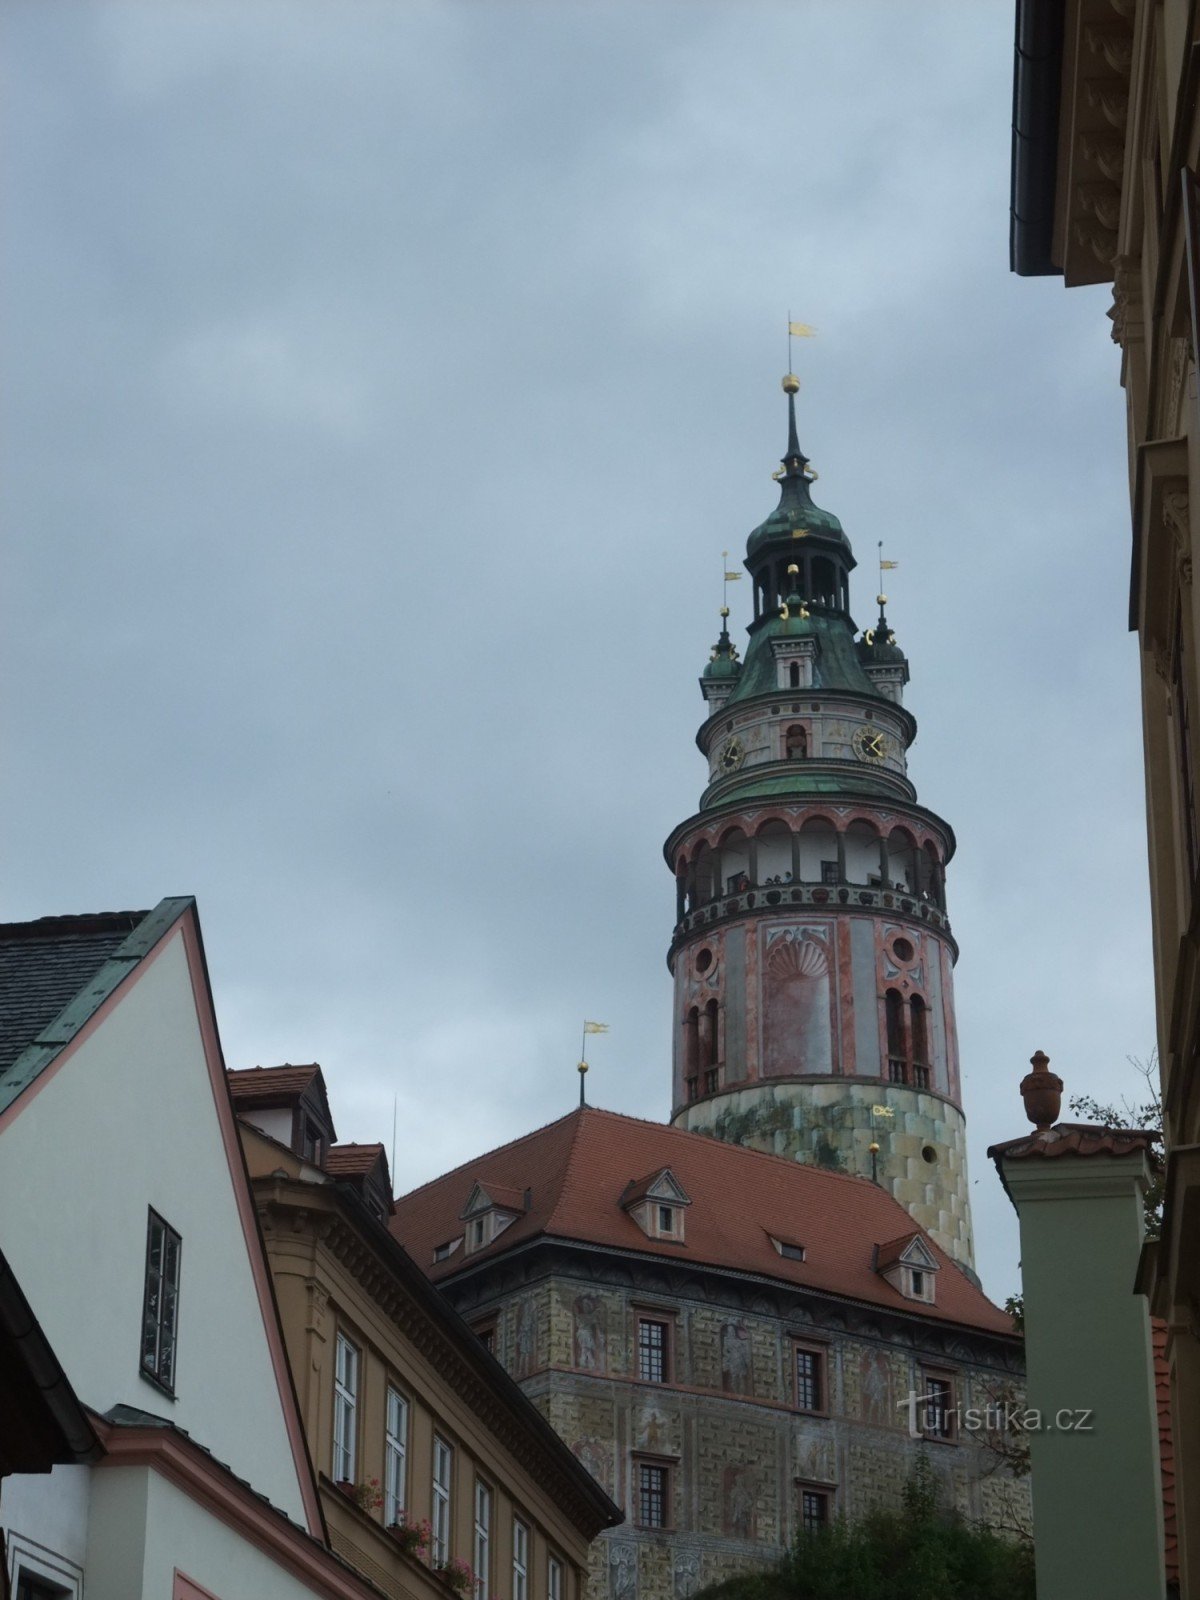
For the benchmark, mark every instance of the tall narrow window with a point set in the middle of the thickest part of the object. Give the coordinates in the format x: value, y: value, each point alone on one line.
x: 554, y: 1579
x: 938, y: 1420
x: 483, y: 1539
x: 795, y: 745
x: 814, y: 1510
x: 520, y: 1583
x: 395, y: 1456
x: 653, y: 1489
x: 894, y: 1012
x: 160, y: 1303
x: 652, y: 1351
x: 712, y: 1032
x: 810, y: 1379
x: 443, y: 1463
x: 345, y: 1410
x: 920, y: 1029
x: 793, y: 674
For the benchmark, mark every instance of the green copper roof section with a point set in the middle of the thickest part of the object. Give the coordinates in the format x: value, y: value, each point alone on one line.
x: 836, y: 666
x: 855, y: 782
x: 796, y: 513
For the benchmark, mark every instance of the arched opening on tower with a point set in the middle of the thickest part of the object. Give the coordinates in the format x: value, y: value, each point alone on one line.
x: 920, y: 1042
x: 710, y: 1034
x: 902, y: 860
x: 930, y: 870
x: 773, y: 843
x: 862, y: 853
x: 824, y: 581
x: 893, y: 1004
x: 703, y: 875
x: 818, y: 851
x: 691, y: 1051
x: 795, y: 740
x: 735, y: 861
x: 794, y: 676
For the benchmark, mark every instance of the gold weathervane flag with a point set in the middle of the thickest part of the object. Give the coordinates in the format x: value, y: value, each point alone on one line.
x: 888, y: 566
x: 801, y: 330
x: 733, y: 577
x: 595, y: 1027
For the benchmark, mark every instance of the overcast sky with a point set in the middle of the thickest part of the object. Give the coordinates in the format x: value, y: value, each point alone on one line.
x: 381, y: 385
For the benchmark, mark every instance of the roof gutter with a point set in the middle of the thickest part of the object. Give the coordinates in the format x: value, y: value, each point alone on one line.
x: 1037, y: 99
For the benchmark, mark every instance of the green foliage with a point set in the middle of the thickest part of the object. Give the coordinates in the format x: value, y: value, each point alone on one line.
x: 917, y: 1553
x: 1145, y: 1113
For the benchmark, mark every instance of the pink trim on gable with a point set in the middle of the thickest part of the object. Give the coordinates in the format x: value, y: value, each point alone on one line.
x: 185, y: 1589
x: 212, y: 1487
x: 206, y: 1018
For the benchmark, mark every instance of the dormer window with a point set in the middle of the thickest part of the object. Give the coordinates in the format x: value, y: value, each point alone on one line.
x: 491, y: 1208
x: 910, y: 1266
x: 658, y: 1205
x: 443, y: 1252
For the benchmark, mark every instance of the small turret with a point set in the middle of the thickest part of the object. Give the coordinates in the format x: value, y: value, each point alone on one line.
x: 720, y: 676
x: 882, y: 659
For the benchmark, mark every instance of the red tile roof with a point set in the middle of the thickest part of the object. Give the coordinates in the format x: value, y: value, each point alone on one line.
x: 891, y: 1252
x: 258, y: 1085
x: 579, y: 1167
x: 1075, y: 1139
x: 1166, y: 1447
x: 501, y: 1195
x: 352, y: 1160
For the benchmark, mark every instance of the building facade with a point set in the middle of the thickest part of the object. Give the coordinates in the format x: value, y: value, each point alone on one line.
x: 411, y: 1422
x: 1106, y: 189
x: 737, y: 1345
x: 812, y: 954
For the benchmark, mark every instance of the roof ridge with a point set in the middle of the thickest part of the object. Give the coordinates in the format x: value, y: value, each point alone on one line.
x: 486, y: 1155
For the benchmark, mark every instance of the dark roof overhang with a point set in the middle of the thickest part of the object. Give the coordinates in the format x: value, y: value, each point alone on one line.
x: 1037, y: 98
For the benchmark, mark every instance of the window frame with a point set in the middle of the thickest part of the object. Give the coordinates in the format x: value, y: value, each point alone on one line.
x: 395, y: 1450
x: 642, y: 1466
x: 345, y: 1409
x: 650, y: 1319
x: 822, y: 1494
x: 152, y: 1369
x: 556, y: 1572
x: 820, y: 1377
x: 520, y: 1558
x: 482, y: 1546
x: 441, y: 1502
x: 948, y: 1434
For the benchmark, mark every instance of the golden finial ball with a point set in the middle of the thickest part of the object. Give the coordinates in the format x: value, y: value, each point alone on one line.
x: 791, y: 384
x: 873, y: 1148
x: 724, y: 611
x: 881, y: 599
x: 793, y: 570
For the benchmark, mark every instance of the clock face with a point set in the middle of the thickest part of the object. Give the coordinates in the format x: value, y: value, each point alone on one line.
x: 870, y: 745
x: 731, y: 757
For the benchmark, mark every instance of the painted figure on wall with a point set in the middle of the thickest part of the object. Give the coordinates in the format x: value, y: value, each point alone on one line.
x: 875, y: 1377
x: 622, y: 1570
x: 740, y: 1491
x: 736, y: 1358
x: 797, y: 1030
x: 526, y: 1340
x: 687, y: 1573
x: 591, y: 1333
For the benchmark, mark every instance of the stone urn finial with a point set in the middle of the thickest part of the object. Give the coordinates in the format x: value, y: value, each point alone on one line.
x: 1041, y: 1091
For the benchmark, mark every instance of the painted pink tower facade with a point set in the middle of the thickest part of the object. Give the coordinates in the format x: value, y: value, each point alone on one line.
x: 812, y: 954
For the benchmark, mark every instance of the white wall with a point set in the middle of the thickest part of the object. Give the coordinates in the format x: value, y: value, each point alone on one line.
x: 47, y: 1513
x: 276, y: 1123
x: 129, y: 1122
x: 169, y: 1531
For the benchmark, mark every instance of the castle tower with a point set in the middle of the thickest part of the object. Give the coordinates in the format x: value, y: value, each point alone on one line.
x: 812, y: 955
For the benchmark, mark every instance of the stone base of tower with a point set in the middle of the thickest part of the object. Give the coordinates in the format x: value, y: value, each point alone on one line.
x: 831, y: 1123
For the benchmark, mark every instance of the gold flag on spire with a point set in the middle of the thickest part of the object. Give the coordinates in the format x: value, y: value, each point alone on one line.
x: 888, y: 566
x: 801, y: 330
x: 595, y: 1027
x: 733, y: 577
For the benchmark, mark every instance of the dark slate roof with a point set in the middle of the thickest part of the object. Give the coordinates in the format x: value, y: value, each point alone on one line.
x: 54, y: 975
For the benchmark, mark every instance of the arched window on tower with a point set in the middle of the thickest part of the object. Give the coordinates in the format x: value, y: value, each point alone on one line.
x: 691, y: 1053
x: 893, y: 1002
x: 793, y: 674
x: 713, y: 1039
x: 795, y: 744
x: 920, y: 1042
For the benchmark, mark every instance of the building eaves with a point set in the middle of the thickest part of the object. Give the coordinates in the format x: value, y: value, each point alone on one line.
x: 1037, y: 98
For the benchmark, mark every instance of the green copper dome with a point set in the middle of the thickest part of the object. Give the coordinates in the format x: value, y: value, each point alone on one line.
x: 796, y: 512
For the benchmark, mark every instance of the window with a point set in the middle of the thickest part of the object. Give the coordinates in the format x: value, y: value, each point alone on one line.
x: 554, y: 1579
x: 666, y: 1219
x: 917, y: 1282
x: 310, y: 1142
x: 486, y: 1334
x: 395, y: 1456
x: 443, y: 1462
x: 652, y: 1350
x: 345, y: 1410
x: 814, y: 1510
x: 896, y: 1070
x: 810, y: 1379
x: 795, y: 745
x: 483, y: 1538
x: 938, y: 1417
x: 160, y: 1306
x: 710, y: 1081
x: 920, y: 1077
x: 692, y: 1088
x: 443, y: 1252
x: 653, y: 1492
x: 31, y: 1587
x: 829, y: 872
x: 794, y: 674
x: 478, y: 1233
x: 520, y: 1583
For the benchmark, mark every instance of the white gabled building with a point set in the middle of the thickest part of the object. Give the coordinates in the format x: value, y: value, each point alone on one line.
x: 133, y: 1269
